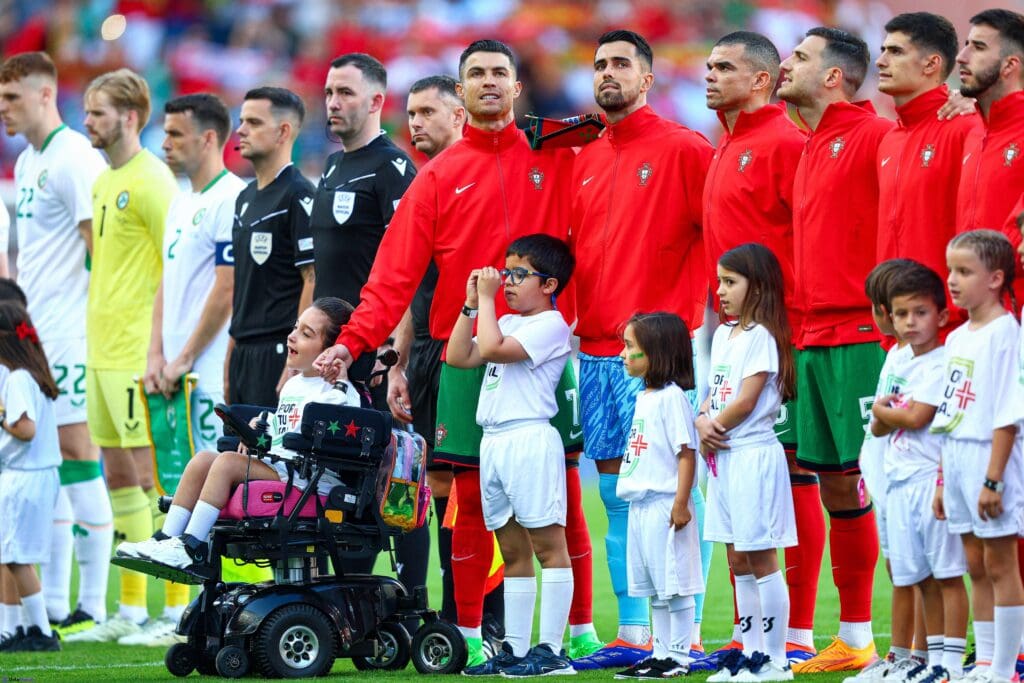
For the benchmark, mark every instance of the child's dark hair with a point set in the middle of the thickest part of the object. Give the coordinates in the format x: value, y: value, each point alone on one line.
x: 919, y: 280
x: 994, y: 250
x: 10, y: 291
x: 338, y: 311
x: 765, y: 303
x: 547, y: 254
x: 876, y: 286
x: 20, y: 347
x: 665, y: 341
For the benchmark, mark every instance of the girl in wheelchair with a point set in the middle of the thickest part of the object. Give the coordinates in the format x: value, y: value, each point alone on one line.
x: 210, y: 478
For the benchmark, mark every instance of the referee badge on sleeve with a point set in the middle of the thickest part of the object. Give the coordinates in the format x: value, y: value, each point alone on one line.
x: 260, y: 245
x: 344, y: 202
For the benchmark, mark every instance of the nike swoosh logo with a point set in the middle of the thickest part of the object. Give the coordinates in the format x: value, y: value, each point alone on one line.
x: 587, y: 181
x: 966, y: 158
x: 463, y: 558
x: 885, y: 160
x: 460, y: 190
x: 575, y: 435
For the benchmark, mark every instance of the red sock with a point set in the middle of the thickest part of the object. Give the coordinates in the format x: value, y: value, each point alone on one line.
x: 577, y: 538
x: 803, y: 561
x: 472, y: 550
x: 853, y: 542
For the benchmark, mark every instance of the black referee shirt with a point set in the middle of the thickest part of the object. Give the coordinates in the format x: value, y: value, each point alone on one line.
x: 271, y: 240
x: 355, y: 200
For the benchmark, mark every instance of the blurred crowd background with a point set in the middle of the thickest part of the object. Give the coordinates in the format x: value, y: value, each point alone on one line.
x: 229, y: 46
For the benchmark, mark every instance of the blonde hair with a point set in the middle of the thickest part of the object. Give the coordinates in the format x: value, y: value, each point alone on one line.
x: 995, y: 251
x: 127, y: 91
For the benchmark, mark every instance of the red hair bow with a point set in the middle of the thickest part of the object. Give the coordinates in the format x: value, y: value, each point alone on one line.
x: 26, y: 331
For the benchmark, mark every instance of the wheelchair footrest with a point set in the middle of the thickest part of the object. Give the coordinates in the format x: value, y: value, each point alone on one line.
x: 192, y: 576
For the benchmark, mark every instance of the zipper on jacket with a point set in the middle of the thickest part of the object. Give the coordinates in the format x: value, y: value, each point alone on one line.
x: 977, y: 177
x: 608, y: 215
x: 501, y: 184
x: 103, y: 219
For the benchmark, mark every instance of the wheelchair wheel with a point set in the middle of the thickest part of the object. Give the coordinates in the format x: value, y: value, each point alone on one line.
x: 232, y: 662
x: 295, y: 641
x: 397, y: 649
x: 180, y: 660
x: 439, y: 648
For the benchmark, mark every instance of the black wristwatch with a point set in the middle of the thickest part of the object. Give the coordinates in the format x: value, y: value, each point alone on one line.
x: 993, y: 485
x: 469, y: 312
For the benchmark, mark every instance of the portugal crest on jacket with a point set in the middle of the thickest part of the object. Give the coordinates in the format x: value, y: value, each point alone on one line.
x: 745, y: 159
x: 927, y: 154
x: 1010, y: 154
x: 537, y: 178
x: 644, y: 173
x: 836, y: 146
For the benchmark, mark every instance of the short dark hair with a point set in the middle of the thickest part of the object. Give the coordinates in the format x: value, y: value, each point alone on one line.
x: 371, y: 68
x: 338, y: 312
x: 876, y: 286
x: 665, y: 340
x: 1010, y: 26
x: 445, y: 85
x: 919, y: 280
x: 24, y: 64
x: 759, y: 52
x: 846, y: 51
x: 928, y: 32
x: 208, y: 111
x: 643, y: 48
x: 547, y: 254
x: 282, y: 101
x: 487, y: 45
x: 10, y: 291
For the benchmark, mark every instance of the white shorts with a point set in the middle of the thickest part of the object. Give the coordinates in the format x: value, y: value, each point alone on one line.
x: 206, y: 426
x: 522, y: 474
x: 67, y: 363
x: 926, y: 547
x: 872, y: 472
x: 27, y: 502
x: 964, y: 465
x: 662, y: 562
x: 750, y: 499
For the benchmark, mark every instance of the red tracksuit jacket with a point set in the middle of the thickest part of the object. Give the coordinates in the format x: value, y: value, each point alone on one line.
x: 835, y: 226
x: 636, y: 227
x: 992, y: 178
x: 748, y: 196
x: 462, y: 210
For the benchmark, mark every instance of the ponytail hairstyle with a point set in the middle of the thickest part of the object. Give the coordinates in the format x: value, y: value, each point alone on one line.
x: 665, y: 340
x: 20, y: 347
x: 765, y: 304
x: 995, y: 252
x: 338, y: 312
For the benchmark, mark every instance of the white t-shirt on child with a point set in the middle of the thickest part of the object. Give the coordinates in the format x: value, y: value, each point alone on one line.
x: 662, y: 427
x: 914, y: 453
x: 980, y: 383
x: 525, y: 390
x: 22, y: 396
x: 746, y: 354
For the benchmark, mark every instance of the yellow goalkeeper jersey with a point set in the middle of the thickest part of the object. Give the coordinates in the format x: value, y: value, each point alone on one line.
x: 129, y: 209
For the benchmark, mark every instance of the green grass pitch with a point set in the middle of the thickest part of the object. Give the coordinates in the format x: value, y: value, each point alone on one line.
x: 111, y: 662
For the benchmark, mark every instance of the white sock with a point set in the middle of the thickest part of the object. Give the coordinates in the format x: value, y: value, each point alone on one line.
x: 801, y: 636
x: 176, y: 520
x: 133, y: 613
x: 919, y: 655
x: 56, y: 573
x: 774, y: 597
x: 934, y: 651
x: 468, y: 632
x: 899, y: 653
x: 984, y: 641
x: 953, y: 650
x: 695, y: 636
x: 748, y: 604
x: 173, y: 612
x: 35, y: 608
x: 577, y: 630
x: 520, y: 598
x: 1008, y: 626
x: 12, y: 618
x: 637, y: 634
x: 94, y: 536
x: 681, y: 611
x: 856, y: 634
x: 555, y: 602
x: 204, y: 516
x: 661, y: 628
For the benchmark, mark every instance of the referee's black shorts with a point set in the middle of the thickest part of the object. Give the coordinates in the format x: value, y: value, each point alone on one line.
x: 424, y: 375
x: 254, y: 371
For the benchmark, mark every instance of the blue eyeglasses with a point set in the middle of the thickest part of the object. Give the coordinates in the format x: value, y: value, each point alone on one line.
x: 516, y: 276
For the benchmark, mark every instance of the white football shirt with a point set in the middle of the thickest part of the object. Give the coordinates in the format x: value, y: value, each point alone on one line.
x: 526, y: 390
x: 914, y: 453
x: 22, y: 396
x: 662, y: 427
x: 54, y: 186
x: 747, y: 353
x: 197, y: 239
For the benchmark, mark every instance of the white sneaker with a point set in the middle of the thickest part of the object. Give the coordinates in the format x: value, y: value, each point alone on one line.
x: 108, y: 632
x: 170, y: 552
x: 979, y: 674
x: 138, y: 550
x: 736, y: 662
x: 156, y: 633
x: 904, y: 670
x: 766, y: 670
x: 875, y: 671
